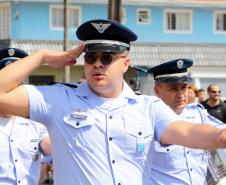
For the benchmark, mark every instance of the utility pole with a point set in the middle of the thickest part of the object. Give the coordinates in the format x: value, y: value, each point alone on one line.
x: 114, y: 7
x: 66, y: 38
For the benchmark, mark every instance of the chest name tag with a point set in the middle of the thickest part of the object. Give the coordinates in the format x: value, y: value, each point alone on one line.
x: 79, y: 114
x: 34, y: 140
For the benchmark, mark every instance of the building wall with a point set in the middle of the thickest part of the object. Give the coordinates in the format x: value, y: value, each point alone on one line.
x: 31, y: 21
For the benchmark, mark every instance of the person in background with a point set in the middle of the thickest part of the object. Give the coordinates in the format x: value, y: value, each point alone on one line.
x: 133, y: 85
x: 201, y: 95
x: 46, y: 175
x: 214, y: 105
x: 21, y: 140
x: 192, y: 93
x: 101, y: 131
x: 174, y: 164
x: 82, y: 79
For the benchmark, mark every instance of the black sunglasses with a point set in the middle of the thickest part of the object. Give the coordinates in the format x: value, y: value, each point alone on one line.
x: 215, y: 91
x: 105, y: 58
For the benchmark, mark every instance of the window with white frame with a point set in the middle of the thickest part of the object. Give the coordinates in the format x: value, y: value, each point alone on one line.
x: 4, y: 20
x: 57, y: 16
x: 143, y: 16
x: 178, y: 21
x: 220, y: 21
x: 123, y: 15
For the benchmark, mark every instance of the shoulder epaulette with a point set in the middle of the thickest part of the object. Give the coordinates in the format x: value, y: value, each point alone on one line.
x: 70, y: 85
x: 200, y: 105
x: 66, y: 84
x: 137, y: 92
x: 195, y: 105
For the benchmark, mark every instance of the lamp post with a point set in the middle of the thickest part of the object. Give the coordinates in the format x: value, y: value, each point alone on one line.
x: 114, y: 7
x: 66, y: 38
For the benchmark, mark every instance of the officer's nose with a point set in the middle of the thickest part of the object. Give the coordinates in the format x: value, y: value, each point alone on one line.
x: 180, y: 93
x: 98, y: 63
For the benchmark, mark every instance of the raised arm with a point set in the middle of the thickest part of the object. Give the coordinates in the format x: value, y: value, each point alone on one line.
x: 13, y: 96
x: 190, y: 135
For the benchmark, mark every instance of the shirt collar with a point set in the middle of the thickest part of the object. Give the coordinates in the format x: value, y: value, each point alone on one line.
x: 127, y: 92
x: 187, y: 113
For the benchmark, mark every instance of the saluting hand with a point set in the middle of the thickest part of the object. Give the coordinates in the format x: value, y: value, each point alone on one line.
x: 59, y: 59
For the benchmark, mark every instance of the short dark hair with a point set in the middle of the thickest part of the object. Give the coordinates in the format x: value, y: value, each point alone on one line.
x: 132, y: 81
x: 201, y: 90
x: 209, y: 88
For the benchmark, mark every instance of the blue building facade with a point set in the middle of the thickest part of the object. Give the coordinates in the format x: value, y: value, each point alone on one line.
x: 33, y: 19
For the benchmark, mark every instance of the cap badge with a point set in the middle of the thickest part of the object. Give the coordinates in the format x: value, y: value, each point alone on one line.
x: 180, y: 64
x: 11, y: 52
x: 101, y: 27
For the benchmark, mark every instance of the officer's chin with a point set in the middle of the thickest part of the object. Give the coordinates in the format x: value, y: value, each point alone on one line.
x: 179, y: 109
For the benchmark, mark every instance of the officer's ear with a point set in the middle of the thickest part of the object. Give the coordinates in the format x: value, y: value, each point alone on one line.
x: 157, y: 89
x: 126, y: 64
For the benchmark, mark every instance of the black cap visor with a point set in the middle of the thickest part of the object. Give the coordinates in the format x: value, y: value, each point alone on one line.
x: 4, y: 62
x: 105, y: 48
x: 12, y: 59
x: 182, y: 79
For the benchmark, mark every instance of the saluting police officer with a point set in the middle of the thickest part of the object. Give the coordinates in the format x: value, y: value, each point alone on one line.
x: 21, y: 140
x: 176, y: 164
x: 101, y: 131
